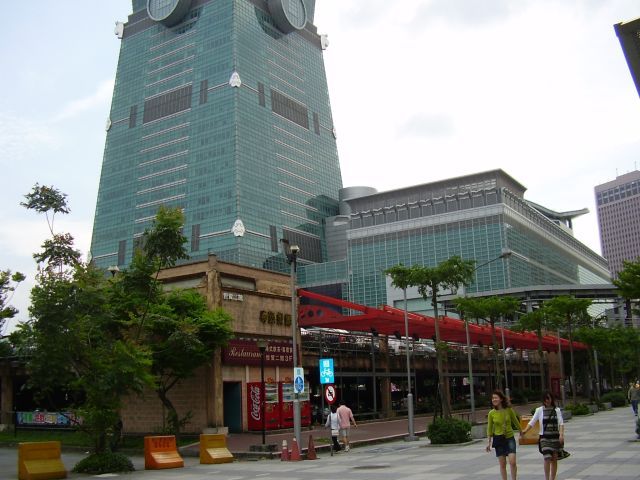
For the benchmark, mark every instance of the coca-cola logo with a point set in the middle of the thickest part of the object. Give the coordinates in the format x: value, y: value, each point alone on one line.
x: 254, y: 393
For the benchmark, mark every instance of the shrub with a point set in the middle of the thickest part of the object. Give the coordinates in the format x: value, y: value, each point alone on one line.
x: 99, y: 463
x: 578, y: 409
x: 449, y: 430
x: 617, y: 399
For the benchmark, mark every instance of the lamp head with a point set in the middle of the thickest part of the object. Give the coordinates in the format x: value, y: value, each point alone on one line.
x: 294, y: 249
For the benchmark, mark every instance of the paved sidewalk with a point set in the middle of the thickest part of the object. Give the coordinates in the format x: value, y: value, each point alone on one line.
x: 602, y: 447
x: 366, y: 433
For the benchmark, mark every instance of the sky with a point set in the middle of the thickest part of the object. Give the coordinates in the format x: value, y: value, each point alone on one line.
x: 421, y: 90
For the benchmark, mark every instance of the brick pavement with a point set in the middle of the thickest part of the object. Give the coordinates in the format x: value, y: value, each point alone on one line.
x: 603, y: 447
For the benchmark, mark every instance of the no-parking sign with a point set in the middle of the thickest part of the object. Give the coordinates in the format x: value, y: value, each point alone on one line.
x: 330, y: 394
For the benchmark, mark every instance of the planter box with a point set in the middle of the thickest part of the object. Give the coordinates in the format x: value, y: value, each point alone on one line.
x: 566, y: 414
x: 607, y: 406
x: 210, y: 430
x: 593, y: 408
x: 479, y: 431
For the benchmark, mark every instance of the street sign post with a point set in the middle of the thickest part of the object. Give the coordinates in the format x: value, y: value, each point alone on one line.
x: 326, y: 371
x: 330, y: 394
x: 298, y: 380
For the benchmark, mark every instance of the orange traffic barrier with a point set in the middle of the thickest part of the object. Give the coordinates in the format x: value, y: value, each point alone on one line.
x: 284, y: 456
x: 161, y: 452
x: 213, y: 449
x: 40, y: 461
x: 311, y: 450
x: 531, y: 437
x: 295, y: 451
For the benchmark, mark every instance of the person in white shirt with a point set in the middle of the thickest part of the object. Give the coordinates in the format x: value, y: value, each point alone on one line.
x: 333, y: 422
x: 551, y: 440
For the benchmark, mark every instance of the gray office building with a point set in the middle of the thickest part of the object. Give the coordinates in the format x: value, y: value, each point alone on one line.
x: 618, y: 204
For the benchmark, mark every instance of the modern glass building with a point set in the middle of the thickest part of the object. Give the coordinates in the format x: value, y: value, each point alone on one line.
x: 477, y: 217
x: 220, y: 108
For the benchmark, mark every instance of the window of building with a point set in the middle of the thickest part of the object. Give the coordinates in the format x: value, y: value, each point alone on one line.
x: 167, y: 104
x: 289, y: 109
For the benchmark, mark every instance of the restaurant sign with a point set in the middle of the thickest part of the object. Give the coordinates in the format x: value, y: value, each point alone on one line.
x: 246, y: 352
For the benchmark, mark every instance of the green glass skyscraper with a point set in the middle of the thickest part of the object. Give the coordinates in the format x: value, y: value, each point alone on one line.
x: 220, y: 108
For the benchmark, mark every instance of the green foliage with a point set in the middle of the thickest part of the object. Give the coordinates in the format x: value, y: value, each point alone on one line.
x: 568, y: 313
x: 164, y: 242
x: 57, y: 251
x: 578, y: 408
x: 73, y: 343
x: 180, y: 330
x: 617, y: 349
x: 450, y: 273
x: 45, y: 199
x: 617, y: 399
x: 628, y: 281
x: 8, y: 284
x: 449, y: 430
x: 525, y: 395
x: 107, y: 462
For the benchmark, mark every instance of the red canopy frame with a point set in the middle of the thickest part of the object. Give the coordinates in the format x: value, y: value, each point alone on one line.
x: 389, y: 321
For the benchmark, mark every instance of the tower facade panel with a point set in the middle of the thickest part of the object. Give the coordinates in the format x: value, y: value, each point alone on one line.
x: 222, y: 114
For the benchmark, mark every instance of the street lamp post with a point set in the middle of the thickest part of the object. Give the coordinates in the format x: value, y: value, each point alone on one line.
x: 504, y: 254
x: 292, y: 251
x: 412, y: 436
x: 374, y: 334
x: 507, y: 392
x: 262, y: 345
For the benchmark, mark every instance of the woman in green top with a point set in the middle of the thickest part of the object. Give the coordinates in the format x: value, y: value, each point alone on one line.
x: 501, y: 425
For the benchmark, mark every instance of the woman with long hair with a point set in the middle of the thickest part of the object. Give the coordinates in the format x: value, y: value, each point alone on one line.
x: 551, y: 439
x: 502, y: 422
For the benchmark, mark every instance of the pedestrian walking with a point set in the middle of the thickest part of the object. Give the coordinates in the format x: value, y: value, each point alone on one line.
x: 502, y: 422
x: 345, y: 416
x: 333, y: 423
x: 634, y: 396
x: 551, y: 440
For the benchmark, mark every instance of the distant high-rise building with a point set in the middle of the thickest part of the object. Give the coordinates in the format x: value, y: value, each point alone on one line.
x: 618, y: 204
x: 629, y: 36
x: 220, y: 108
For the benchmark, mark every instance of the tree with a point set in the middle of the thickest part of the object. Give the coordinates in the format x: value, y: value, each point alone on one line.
x: 536, y: 321
x: 628, y: 283
x: 178, y: 328
x: 58, y: 251
x: 491, y: 309
x: 618, y: 349
x: 8, y: 284
x: 72, y: 341
x: 568, y: 313
x: 449, y: 274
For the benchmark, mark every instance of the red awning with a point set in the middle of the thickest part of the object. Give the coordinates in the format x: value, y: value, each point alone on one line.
x: 389, y: 321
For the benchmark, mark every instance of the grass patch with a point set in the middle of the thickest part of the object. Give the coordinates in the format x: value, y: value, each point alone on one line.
x: 72, y: 438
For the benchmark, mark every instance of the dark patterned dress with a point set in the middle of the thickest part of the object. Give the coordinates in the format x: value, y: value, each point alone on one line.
x: 549, y: 442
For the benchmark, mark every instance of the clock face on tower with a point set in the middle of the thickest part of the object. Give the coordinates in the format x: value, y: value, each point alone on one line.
x: 289, y: 15
x: 168, y: 12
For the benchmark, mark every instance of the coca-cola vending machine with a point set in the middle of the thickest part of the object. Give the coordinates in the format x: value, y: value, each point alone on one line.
x: 287, y: 393
x: 271, y: 406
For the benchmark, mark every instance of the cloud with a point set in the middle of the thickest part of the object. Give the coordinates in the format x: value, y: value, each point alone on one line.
x: 471, y: 12
x: 427, y: 125
x: 21, y: 137
x: 100, y: 97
